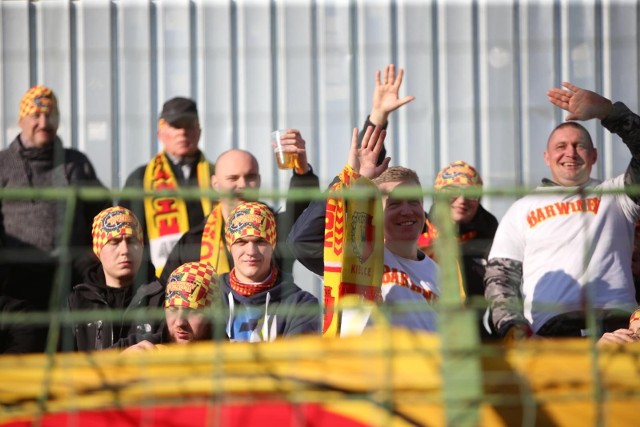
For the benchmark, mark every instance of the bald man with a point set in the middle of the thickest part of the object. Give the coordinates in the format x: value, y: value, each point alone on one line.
x: 237, y: 171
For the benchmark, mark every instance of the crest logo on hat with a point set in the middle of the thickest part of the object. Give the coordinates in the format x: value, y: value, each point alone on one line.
x: 244, y: 218
x: 114, y: 221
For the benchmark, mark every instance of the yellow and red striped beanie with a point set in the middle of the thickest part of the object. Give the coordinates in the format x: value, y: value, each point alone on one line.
x: 192, y: 285
x: 38, y: 99
x: 458, y: 174
x: 251, y: 219
x: 112, y: 222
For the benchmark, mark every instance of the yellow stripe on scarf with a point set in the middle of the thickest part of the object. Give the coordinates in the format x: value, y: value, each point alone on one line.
x: 212, y: 248
x: 353, y: 248
x: 166, y: 216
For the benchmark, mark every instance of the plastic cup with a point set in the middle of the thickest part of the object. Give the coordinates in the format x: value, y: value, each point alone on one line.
x: 284, y: 160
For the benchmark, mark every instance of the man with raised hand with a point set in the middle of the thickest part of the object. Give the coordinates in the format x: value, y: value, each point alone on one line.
x: 555, y: 252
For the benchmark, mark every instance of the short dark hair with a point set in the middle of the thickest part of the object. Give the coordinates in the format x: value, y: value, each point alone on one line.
x: 575, y: 125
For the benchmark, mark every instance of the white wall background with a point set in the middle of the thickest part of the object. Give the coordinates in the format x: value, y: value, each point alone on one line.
x: 479, y: 71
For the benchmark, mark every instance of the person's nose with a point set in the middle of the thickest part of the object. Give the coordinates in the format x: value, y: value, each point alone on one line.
x: 252, y: 248
x: 241, y: 183
x: 124, y: 246
x: 405, y: 207
x: 572, y: 150
x: 44, y: 120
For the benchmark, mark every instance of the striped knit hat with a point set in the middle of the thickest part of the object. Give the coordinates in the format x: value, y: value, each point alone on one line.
x: 38, y: 99
x: 192, y: 285
x: 458, y: 174
x: 112, y: 222
x: 251, y: 219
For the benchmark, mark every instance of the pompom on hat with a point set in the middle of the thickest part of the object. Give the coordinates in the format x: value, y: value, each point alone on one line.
x: 38, y: 99
x: 192, y: 285
x: 251, y: 219
x: 112, y: 222
x: 457, y: 174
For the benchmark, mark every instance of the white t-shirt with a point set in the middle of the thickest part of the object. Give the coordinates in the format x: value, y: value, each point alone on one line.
x: 570, y: 245
x: 405, y: 280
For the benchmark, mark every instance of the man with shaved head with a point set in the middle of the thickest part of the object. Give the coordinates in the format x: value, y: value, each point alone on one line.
x: 237, y: 171
x: 558, y: 254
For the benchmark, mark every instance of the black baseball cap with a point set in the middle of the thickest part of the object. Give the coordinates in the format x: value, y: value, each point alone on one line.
x: 179, y: 109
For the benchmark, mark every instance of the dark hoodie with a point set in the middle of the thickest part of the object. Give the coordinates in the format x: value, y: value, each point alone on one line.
x: 283, y: 310
x: 101, y: 332
x: 476, y: 239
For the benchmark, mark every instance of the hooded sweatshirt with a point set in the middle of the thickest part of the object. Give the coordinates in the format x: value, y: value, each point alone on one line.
x: 280, y: 311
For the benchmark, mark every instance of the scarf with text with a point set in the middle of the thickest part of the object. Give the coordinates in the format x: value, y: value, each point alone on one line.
x: 166, y: 216
x: 353, y: 247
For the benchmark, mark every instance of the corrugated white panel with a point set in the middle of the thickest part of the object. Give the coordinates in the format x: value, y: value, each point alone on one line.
x: 95, y: 87
x: 418, y: 122
x: 54, y: 61
x: 457, y: 82
x: 15, y: 68
x: 479, y: 71
x: 136, y: 85
x: 215, y: 80
x: 497, y: 102
x: 537, y: 71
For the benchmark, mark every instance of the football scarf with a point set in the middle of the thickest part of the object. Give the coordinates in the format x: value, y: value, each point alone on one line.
x: 166, y: 216
x: 212, y: 247
x: 353, y: 248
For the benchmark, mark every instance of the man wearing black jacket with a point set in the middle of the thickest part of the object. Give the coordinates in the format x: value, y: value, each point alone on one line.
x: 117, y: 242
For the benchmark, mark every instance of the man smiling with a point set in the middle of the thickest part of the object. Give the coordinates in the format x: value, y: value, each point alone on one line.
x: 553, y: 253
x: 264, y: 303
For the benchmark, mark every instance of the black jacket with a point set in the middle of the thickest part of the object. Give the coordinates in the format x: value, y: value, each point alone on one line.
x: 31, y: 230
x: 16, y: 338
x: 100, y: 332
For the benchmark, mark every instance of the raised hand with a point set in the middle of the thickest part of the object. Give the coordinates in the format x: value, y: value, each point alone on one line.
x: 292, y: 142
x: 581, y: 103
x: 385, y: 95
x: 364, y: 159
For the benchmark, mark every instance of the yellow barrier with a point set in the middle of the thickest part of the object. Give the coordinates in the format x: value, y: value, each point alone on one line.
x: 377, y: 379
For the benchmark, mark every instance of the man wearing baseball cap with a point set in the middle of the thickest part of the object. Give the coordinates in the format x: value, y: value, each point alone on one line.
x: 180, y: 164
x: 31, y: 229
x: 118, y: 243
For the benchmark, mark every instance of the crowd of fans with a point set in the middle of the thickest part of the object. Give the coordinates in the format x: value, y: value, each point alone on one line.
x: 222, y: 269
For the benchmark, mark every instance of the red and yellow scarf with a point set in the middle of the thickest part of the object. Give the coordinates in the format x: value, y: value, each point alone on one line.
x: 166, y: 216
x: 250, y: 289
x: 353, y: 248
x: 212, y: 247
